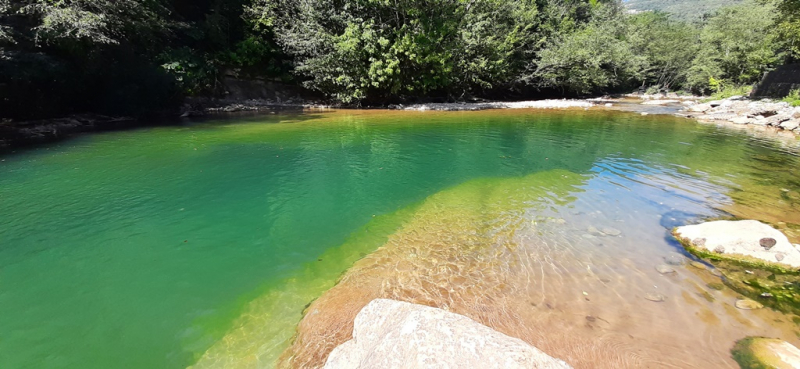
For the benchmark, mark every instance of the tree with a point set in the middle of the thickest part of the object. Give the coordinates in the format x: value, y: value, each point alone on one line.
x: 377, y: 49
x: 737, y: 46
x: 788, y: 26
x: 592, y: 58
x: 668, y: 45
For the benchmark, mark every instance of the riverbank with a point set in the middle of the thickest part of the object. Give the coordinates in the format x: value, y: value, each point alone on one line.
x: 734, y: 111
x: 28, y: 133
x: 740, y: 110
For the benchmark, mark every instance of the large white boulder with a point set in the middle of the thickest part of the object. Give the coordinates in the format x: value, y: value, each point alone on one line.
x: 744, y: 237
x: 393, y: 334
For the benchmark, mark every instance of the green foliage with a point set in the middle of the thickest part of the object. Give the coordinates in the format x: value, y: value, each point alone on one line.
x: 724, y: 90
x: 193, y: 73
x: 681, y: 10
x: 737, y: 46
x: 793, y: 98
x: 788, y: 26
x: 692, y: 11
x: 593, y: 57
x: 356, y: 49
x: 668, y: 45
x: 95, y: 55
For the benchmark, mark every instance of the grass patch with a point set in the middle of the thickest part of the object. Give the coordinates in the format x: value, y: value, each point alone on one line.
x: 726, y: 91
x: 793, y: 98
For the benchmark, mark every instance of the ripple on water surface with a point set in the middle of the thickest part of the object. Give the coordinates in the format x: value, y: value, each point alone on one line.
x: 202, y: 245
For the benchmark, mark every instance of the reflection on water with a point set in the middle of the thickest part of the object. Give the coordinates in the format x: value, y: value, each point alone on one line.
x: 205, y: 244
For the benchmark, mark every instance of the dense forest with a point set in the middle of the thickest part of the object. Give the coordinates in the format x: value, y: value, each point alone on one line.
x: 684, y: 10
x: 139, y: 57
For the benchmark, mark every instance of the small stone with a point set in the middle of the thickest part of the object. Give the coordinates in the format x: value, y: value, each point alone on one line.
x: 588, y: 236
x: 665, y: 269
x: 766, y: 295
x: 675, y: 259
x: 719, y: 249
x: 779, y: 256
x: 591, y: 319
x: 767, y: 242
x: 655, y: 297
x: 611, y: 231
x: 747, y: 304
x: 697, y: 264
x: 699, y: 241
x: 715, y: 272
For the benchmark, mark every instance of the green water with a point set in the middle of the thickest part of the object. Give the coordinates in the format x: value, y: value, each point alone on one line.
x: 140, y: 249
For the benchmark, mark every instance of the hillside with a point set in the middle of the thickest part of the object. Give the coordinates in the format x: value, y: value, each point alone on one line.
x: 690, y: 10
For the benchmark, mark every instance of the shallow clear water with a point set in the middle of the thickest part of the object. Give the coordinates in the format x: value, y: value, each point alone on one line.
x: 203, y: 243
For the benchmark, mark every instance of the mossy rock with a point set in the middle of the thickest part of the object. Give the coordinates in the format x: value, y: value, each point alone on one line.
x: 773, y: 285
x: 765, y: 353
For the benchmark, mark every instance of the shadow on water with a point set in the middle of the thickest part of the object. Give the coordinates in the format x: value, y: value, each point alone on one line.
x: 18, y: 137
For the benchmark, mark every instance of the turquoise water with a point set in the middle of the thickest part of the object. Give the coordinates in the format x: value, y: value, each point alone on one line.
x: 139, y: 249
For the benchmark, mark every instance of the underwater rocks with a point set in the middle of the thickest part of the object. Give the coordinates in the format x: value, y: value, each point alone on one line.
x: 747, y: 304
x: 749, y: 238
x: 394, y: 334
x: 760, y: 352
x: 753, y: 258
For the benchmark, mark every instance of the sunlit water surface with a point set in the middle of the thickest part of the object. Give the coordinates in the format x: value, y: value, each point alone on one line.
x: 202, y: 244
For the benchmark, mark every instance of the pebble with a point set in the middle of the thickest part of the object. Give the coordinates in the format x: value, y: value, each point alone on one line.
x: 747, y: 304
x: 588, y: 236
x: 767, y: 242
x: 697, y: 264
x: 655, y: 297
x: 779, y: 256
x: 675, y: 259
x: 611, y: 231
x: 665, y: 269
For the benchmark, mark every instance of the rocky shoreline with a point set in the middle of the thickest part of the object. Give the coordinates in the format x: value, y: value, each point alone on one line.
x: 735, y: 110
x: 18, y: 134
x: 743, y: 111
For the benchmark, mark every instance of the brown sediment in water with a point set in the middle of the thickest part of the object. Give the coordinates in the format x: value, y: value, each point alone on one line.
x: 456, y: 253
x: 470, y: 250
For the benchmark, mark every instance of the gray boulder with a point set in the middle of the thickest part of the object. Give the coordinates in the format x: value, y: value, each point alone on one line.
x: 745, y: 237
x: 393, y: 334
x: 700, y: 108
x: 790, y: 124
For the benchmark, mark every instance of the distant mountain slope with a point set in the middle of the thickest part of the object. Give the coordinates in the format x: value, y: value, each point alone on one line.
x: 681, y: 9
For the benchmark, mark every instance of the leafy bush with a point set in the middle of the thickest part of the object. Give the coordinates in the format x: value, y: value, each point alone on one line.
x: 737, y: 45
x: 353, y: 50
x: 793, y: 98
x: 726, y: 90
